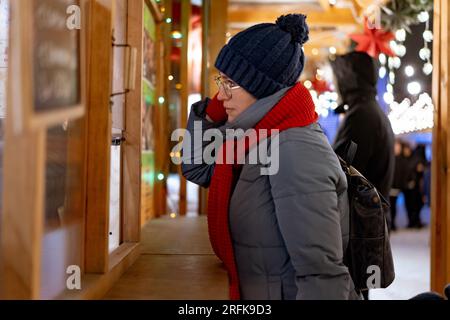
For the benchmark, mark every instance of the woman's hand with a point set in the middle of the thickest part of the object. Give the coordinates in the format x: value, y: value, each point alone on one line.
x: 216, y: 111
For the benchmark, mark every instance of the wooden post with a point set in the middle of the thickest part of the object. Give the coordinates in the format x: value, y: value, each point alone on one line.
x: 440, y: 206
x: 99, y: 134
x: 23, y: 216
x: 159, y: 116
x: 167, y: 44
x: 214, y: 38
x: 184, y: 67
x: 133, y: 123
x: 218, y: 23
x: 24, y: 167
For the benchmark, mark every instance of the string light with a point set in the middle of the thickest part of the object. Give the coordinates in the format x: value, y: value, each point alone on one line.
x: 409, y: 71
x: 382, y: 72
x: 400, y: 35
x: 388, y: 97
x: 427, y: 68
x: 400, y: 50
x: 423, y: 16
x: 397, y: 62
x: 428, y: 35
x: 176, y: 34
x: 414, y: 88
x: 425, y: 54
x: 406, y: 118
x: 392, y: 77
x: 324, y: 102
x: 307, y: 84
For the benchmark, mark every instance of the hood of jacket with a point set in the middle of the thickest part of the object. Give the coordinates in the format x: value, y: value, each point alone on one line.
x: 356, y: 74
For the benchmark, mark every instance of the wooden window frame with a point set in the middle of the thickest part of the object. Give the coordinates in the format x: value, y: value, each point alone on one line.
x: 25, y: 160
x: 24, y: 115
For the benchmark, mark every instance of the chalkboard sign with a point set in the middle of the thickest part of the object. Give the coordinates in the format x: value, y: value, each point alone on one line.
x: 56, y: 57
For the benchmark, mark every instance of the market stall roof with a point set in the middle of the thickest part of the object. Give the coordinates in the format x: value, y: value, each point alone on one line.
x: 329, y: 24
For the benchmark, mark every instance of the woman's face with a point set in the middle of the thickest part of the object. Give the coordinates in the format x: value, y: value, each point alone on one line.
x: 239, y: 101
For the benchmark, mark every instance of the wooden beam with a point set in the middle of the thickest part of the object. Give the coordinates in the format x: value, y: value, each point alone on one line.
x: 206, y: 73
x: 23, y: 170
x: 325, y: 4
x: 99, y: 136
x: 185, y: 74
x: 253, y: 15
x: 217, y: 38
x: 22, y: 216
x: 167, y: 44
x: 285, y: 6
x: 440, y: 205
x: 214, y: 38
x: 131, y: 174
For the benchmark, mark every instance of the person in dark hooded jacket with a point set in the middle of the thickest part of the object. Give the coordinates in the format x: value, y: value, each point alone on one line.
x: 365, y: 122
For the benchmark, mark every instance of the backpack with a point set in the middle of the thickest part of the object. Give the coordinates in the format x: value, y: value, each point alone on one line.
x: 369, y: 250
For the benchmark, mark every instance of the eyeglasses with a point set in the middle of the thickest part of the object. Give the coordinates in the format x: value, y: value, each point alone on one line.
x: 227, y: 85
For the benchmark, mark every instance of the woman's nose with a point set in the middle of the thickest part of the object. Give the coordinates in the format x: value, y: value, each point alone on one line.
x: 222, y: 95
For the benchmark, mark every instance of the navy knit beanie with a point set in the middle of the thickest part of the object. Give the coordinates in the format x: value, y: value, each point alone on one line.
x: 267, y: 57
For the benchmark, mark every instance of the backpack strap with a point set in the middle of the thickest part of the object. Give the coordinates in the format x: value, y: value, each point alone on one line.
x: 350, y: 152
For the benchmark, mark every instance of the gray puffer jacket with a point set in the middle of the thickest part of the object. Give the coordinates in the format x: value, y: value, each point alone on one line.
x: 289, y: 229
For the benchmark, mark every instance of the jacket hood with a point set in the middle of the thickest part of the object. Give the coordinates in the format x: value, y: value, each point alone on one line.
x: 356, y: 74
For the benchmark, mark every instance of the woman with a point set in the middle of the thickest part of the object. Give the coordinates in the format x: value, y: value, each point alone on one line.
x: 281, y: 235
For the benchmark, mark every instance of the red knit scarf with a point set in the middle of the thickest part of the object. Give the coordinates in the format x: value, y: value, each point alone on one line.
x: 296, y: 109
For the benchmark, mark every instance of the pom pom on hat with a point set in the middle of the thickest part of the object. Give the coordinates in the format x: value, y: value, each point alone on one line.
x: 296, y: 25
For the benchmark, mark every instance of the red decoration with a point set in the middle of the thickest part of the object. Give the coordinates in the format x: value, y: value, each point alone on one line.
x: 374, y: 41
x: 320, y: 86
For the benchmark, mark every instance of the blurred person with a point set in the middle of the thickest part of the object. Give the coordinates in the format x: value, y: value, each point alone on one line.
x: 280, y: 236
x: 399, y: 181
x: 356, y: 76
x: 364, y: 123
x: 414, y: 201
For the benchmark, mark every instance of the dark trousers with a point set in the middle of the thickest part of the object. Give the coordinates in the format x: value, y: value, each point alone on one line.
x: 393, y: 203
x: 414, y: 204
